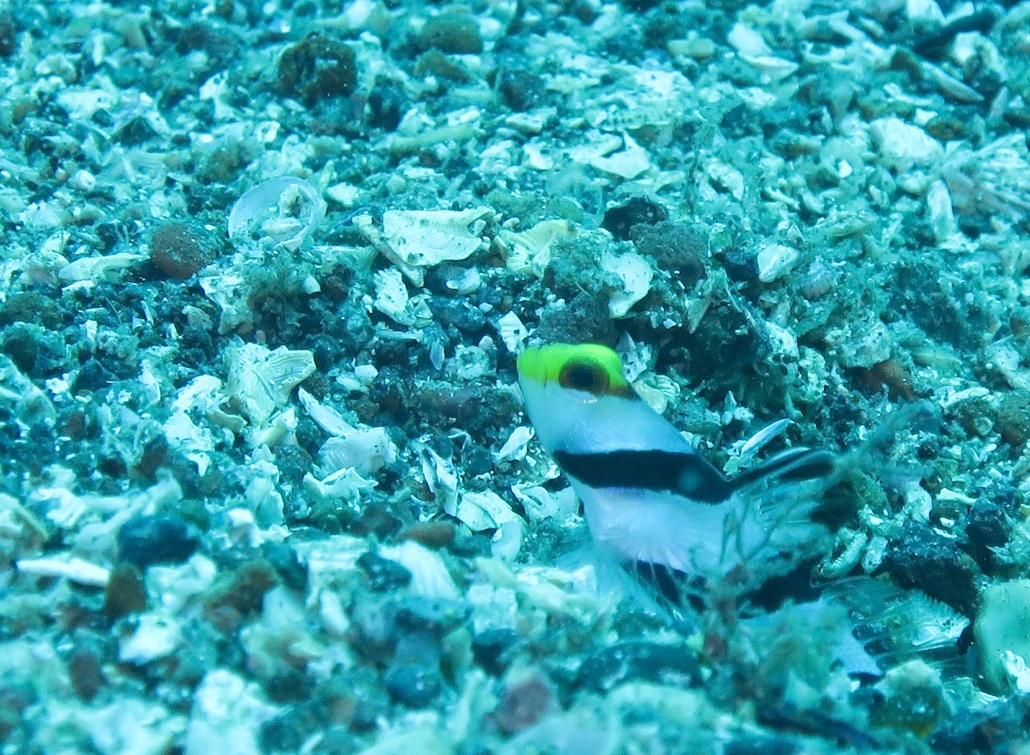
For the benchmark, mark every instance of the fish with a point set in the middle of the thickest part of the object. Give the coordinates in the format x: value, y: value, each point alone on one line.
x: 652, y: 503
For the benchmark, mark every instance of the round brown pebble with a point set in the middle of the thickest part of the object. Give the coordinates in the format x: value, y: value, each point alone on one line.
x: 1013, y: 420
x: 179, y: 249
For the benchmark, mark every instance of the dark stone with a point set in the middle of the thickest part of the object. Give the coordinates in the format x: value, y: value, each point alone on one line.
x: 612, y: 666
x: 435, y: 617
x: 491, y: 649
x: 619, y: 220
x: 291, y: 571
x: 239, y: 594
x: 986, y: 527
x: 457, y: 312
x: 674, y: 246
x: 1013, y: 420
x: 522, y: 706
x: 85, y: 673
x: 386, y: 105
x: 35, y: 351
x: 147, y: 540
x: 452, y: 32
x: 92, y: 377
x: 31, y: 306
x: 181, y: 248
x: 125, y: 592
x: 520, y: 90
x: 157, y: 454
x: 413, y: 677
x: 383, y: 574
x: 934, y: 44
x: 935, y: 564
x: 134, y: 132
x: 583, y: 320
x: 8, y: 34
x: 317, y: 68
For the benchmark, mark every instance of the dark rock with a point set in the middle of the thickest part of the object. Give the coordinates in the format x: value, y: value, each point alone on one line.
x: 413, y: 677
x: 522, y: 706
x: 610, y: 667
x: 583, y: 320
x: 35, y: 351
x: 458, y: 313
x: 986, y: 527
x: 383, y: 574
x: 933, y: 563
x: 84, y: 671
x: 181, y: 248
x: 452, y: 32
x: 224, y: 164
x: 619, y: 220
x: 491, y: 649
x: 134, y: 132
x: 317, y: 68
x: 520, y: 90
x: 436, y: 617
x: 31, y: 306
x: 291, y: 571
x: 92, y: 377
x: 674, y: 246
x: 125, y: 592
x: 147, y: 540
x: 386, y: 105
x: 240, y: 593
x: 1013, y: 420
x: 157, y: 455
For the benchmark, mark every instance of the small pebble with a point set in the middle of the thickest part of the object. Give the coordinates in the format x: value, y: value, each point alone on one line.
x: 147, y: 540
x: 383, y: 574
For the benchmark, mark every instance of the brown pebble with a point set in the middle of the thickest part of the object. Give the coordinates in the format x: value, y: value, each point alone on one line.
x: 430, y: 534
x: 86, y: 676
x: 244, y: 589
x: 125, y: 592
x: 522, y: 706
x: 1013, y: 420
x: 179, y: 249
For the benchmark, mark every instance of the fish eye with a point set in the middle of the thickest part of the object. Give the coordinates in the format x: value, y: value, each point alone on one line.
x: 580, y: 375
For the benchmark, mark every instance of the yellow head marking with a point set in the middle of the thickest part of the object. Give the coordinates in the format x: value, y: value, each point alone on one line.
x: 587, y: 367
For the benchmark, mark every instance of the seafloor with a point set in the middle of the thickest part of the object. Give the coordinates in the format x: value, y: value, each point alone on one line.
x: 266, y: 266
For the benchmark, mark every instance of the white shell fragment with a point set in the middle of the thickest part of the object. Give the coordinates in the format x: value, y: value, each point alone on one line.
x: 512, y: 331
x: 776, y: 260
x: 366, y: 451
x: 902, y: 145
x: 631, y: 161
x: 155, y: 637
x: 281, y: 211
x: 98, y: 269
x: 429, y: 575
x: 487, y: 510
x: 261, y: 380
x: 635, y: 275
x: 75, y: 569
x: 226, y: 715
x: 529, y: 251
x: 420, y: 238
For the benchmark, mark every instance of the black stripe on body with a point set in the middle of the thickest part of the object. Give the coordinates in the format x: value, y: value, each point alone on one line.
x: 794, y: 465
x: 686, y: 474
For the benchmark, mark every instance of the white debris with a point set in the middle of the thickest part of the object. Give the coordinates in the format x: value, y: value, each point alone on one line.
x: 226, y: 716
x: 635, y: 274
x: 262, y: 380
x: 65, y: 565
x: 512, y: 331
x: 429, y: 575
x: 775, y: 260
x: 156, y: 636
x: 280, y: 211
x: 902, y: 145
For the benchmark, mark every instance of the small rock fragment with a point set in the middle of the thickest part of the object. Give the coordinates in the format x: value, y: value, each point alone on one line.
x: 180, y: 249
x: 147, y: 540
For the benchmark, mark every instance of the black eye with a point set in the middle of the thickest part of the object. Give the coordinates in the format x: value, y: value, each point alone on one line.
x: 584, y: 376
